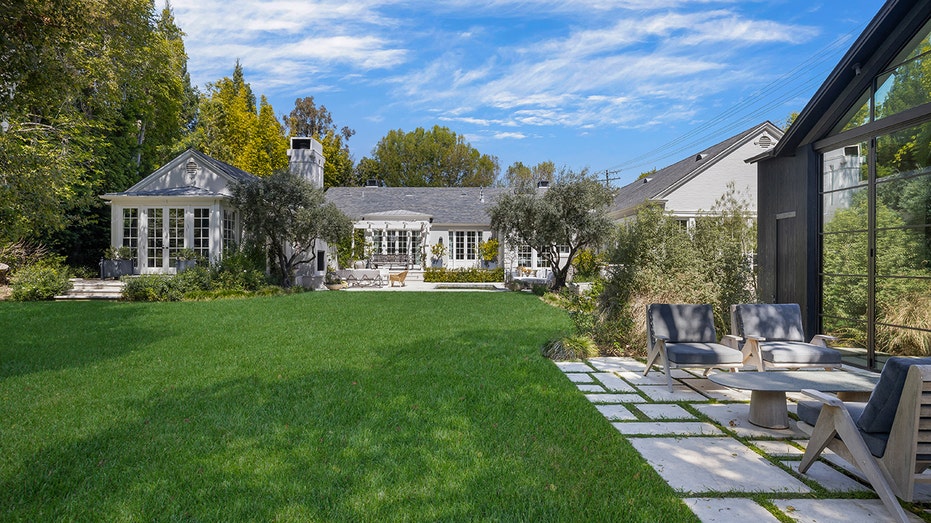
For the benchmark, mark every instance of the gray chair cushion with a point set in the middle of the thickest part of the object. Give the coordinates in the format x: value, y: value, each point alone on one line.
x: 808, y: 412
x: 681, y: 323
x: 775, y: 322
x: 799, y: 352
x: 884, y: 401
x: 698, y: 354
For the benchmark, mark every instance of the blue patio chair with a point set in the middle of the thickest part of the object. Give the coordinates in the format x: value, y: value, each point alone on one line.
x: 772, y: 337
x: 887, y: 438
x: 680, y: 335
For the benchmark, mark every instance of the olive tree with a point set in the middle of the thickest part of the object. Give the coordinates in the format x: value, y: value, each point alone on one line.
x: 571, y: 214
x: 287, y: 214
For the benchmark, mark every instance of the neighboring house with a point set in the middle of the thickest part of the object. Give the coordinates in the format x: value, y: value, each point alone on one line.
x: 845, y: 197
x: 688, y: 188
x: 403, y: 223
x: 186, y: 204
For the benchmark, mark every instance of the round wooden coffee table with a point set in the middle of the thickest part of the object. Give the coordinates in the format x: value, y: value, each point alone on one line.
x: 768, y: 390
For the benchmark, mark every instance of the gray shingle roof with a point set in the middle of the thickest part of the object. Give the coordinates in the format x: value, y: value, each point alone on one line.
x: 447, y: 205
x: 175, y: 191
x: 657, y: 183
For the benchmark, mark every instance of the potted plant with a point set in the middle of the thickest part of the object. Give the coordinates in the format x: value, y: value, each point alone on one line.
x: 187, y: 259
x: 116, y: 262
x: 438, y: 251
x: 489, y: 252
x: 333, y: 282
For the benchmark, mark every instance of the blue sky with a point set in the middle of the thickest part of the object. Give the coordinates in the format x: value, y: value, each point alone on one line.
x: 599, y: 84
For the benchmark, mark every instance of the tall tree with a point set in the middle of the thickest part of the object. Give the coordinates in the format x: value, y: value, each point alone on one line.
x: 571, y: 214
x: 286, y: 215
x: 430, y: 158
x: 519, y: 174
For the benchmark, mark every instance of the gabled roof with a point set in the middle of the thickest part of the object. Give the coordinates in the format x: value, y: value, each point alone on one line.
x: 222, y: 169
x: 660, y: 184
x: 891, y: 29
x: 447, y: 205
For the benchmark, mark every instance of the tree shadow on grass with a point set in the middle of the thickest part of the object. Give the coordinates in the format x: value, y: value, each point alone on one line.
x: 492, y: 436
x: 51, y: 336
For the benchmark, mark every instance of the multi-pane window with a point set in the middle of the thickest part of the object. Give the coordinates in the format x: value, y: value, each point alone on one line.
x: 175, y: 234
x: 402, y: 242
x: 464, y: 244
x: 202, y: 231
x: 131, y: 230
x: 524, y: 256
x: 876, y: 243
x: 230, y: 231
x: 391, y: 245
x: 377, y: 242
x: 155, y: 242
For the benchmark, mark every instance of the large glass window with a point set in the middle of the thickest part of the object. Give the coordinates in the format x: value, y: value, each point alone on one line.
x: 131, y: 230
x: 175, y: 234
x: 465, y: 244
x: 876, y: 244
x: 230, y: 231
x: 155, y: 242
x: 202, y: 231
x: 902, y: 86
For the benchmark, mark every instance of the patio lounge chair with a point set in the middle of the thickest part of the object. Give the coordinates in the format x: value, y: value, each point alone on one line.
x: 773, y: 338
x: 399, y: 277
x: 684, y: 336
x: 887, y: 438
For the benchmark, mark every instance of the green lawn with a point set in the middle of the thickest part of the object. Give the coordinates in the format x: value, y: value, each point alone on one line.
x: 317, y: 406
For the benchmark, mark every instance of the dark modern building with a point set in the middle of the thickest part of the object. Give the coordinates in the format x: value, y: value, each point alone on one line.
x: 845, y: 195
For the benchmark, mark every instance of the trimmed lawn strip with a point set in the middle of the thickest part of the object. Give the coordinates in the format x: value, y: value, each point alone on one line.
x: 316, y: 406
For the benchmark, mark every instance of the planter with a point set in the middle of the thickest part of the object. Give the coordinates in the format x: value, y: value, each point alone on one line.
x: 335, y: 286
x: 115, y: 268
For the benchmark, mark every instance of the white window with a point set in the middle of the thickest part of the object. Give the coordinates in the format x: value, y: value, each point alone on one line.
x: 230, y: 231
x: 131, y: 230
x: 155, y: 242
x: 202, y: 231
x: 175, y: 234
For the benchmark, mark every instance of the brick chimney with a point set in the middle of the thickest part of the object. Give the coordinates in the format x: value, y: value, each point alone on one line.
x: 306, y: 159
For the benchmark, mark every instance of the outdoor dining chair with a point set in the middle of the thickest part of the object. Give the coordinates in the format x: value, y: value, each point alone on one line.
x: 772, y: 337
x: 888, y: 438
x: 683, y: 335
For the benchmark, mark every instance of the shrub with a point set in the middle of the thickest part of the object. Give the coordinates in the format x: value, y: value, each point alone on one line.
x: 151, y: 287
x: 21, y: 253
x: 587, y: 265
x: 241, y: 270
x: 42, y: 280
x: 570, y: 348
x: 443, y: 275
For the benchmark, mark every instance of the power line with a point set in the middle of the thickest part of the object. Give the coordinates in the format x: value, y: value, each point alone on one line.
x: 723, y: 122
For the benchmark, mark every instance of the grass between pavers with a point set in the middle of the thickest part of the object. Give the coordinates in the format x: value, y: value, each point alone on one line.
x: 316, y: 406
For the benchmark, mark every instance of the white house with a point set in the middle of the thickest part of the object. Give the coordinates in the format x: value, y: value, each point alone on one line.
x: 690, y: 186
x: 401, y: 224
x: 186, y: 204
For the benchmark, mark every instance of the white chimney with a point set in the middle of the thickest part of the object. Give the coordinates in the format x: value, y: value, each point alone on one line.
x: 306, y: 159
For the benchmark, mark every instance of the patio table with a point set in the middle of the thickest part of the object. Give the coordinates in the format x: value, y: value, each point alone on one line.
x: 768, y: 390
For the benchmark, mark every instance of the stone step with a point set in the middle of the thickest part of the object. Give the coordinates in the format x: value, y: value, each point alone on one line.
x: 82, y: 289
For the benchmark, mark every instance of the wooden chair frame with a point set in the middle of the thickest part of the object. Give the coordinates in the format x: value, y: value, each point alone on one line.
x: 897, y: 472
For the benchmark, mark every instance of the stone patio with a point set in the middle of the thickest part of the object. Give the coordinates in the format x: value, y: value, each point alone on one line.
x: 699, y: 440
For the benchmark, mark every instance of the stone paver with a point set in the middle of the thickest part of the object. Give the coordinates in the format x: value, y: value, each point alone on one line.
x: 572, y: 366
x: 664, y: 411
x: 778, y: 447
x: 613, y: 383
x: 637, y: 378
x: 616, y: 412
x: 578, y: 377
x: 734, y: 417
x: 615, y: 398
x: 679, y: 393
x: 610, y: 364
x: 837, y: 510
x: 714, y: 465
x: 729, y: 510
x: 590, y: 387
x: 829, y: 478
x: 683, y: 428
